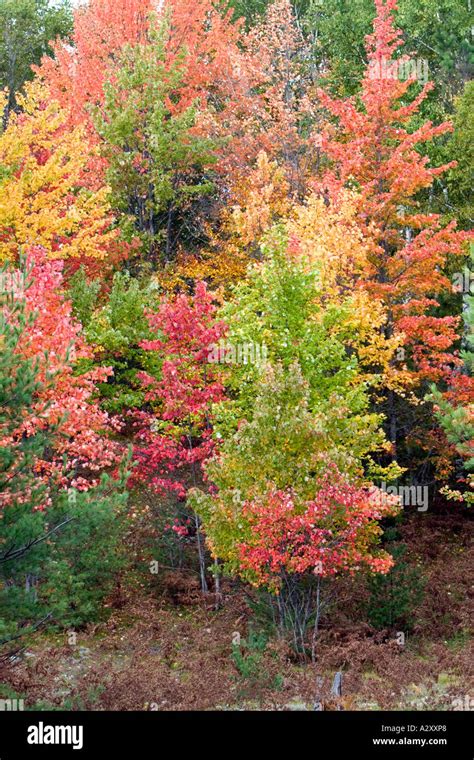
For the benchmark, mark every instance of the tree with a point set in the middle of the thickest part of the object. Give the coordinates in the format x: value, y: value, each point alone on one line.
x: 207, y: 38
x: 288, y: 543
x: 79, y: 450
x: 259, y: 200
x: 59, y: 547
x: 43, y: 199
x: 374, y: 151
x: 248, y: 87
x: 88, y: 557
x: 77, y: 71
x: 183, y: 397
x: 435, y: 31
x: 290, y: 423
x: 26, y: 29
x: 19, y: 386
x: 460, y: 148
x: 395, y: 595
x: 285, y: 83
x: 457, y: 422
x: 333, y: 531
x: 437, y: 36
x: 23, y: 496
x: 454, y: 405
x: 192, y: 128
x: 283, y: 306
x: 252, y: 10
x: 73, y: 560
x: 329, y: 242
x: 114, y: 328
x: 277, y: 511
x: 158, y: 167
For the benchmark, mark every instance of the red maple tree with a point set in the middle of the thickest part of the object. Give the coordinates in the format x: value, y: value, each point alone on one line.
x: 332, y: 533
x: 176, y: 438
x: 81, y: 448
x: 375, y: 151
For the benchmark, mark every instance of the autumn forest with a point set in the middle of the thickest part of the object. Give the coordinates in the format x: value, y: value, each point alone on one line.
x: 236, y: 355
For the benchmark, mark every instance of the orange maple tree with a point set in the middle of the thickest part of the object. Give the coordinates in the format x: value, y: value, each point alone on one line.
x: 65, y: 403
x: 375, y: 150
x: 202, y: 39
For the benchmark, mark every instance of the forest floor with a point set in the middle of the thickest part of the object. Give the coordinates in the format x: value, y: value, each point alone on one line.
x: 167, y: 648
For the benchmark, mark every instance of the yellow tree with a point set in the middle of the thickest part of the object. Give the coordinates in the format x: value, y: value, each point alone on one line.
x: 45, y: 196
x: 331, y: 243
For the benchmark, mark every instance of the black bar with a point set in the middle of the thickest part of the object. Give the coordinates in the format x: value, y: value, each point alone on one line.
x: 163, y: 734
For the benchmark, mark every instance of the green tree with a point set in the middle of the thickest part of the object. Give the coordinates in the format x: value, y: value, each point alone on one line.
x: 394, y: 596
x: 84, y: 294
x: 438, y: 31
x: 279, y: 311
x: 461, y: 149
x: 293, y: 417
x: 22, y: 496
x: 251, y: 10
x: 159, y: 166
x: 115, y: 330
x: 86, y: 559
x: 26, y: 28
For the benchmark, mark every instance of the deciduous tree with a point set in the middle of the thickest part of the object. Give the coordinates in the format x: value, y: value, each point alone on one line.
x: 375, y: 149
x: 80, y: 449
x: 26, y: 29
x: 43, y: 198
x: 180, y: 436
x: 158, y: 166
